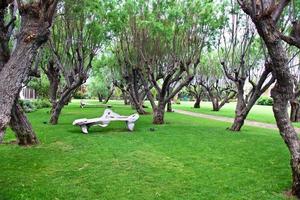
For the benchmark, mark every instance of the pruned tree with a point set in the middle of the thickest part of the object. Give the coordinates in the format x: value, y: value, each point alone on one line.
x: 102, y: 78
x: 132, y: 84
x: 241, y: 54
x: 164, y: 52
x: 265, y: 15
x: 36, y: 20
x: 210, y: 76
x: 196, y: 90
x: 75, y: 41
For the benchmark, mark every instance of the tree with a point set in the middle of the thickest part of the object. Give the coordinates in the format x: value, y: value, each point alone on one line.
x: 240, y: 54
x: 196, y: 90
x: 210, y: 76
x: 102, y: 79
x: 163, y: 44
x: 36, y: 19
x: 77, y: 37
x: 265, y: 15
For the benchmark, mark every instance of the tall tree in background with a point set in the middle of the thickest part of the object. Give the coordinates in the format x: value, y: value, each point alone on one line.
x: 102, y: 78
x: 36, y: 19
x: 266, y: 16
x: 210, y: 76
x: 241, y: 55
x: 77, y: 37
x: 164, y: 51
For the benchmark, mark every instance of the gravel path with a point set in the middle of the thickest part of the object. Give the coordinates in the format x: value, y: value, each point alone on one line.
x: 230, y: 120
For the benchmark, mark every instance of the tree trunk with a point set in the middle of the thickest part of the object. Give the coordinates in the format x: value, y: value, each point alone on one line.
x: 240, y: 114
x: 295, y: 111
x: 169, y: 107
x: 56, y: 113
x: 215, y: 103
x: 100, y: 97
x: 22, y: 128
x: 135, y: 104
x: 159, y: 113
x: 197, y: 102
x: 109, y: 96
x: 36, y: 20
x: 282, y: 93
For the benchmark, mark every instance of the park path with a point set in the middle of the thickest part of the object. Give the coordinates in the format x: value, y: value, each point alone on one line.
x: 230, y: 120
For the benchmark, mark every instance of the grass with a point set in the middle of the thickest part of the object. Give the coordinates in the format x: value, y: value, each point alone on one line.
x: 258, y: 113
x: 187, y: 158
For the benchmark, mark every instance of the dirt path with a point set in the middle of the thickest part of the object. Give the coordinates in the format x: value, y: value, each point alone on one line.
x: 230, y: 120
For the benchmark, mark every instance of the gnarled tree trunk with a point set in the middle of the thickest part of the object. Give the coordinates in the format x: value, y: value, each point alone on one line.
x: 215, y: 103
x: 64, y: 100
x: 159, y: 113
x: 282, y: 93
x: 36, y: 19
x: 21, y: 126
x: 197, y: 102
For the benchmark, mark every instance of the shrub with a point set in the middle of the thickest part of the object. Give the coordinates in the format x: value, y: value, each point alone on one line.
x: 42, y: 103
x: 32, y: 105
x: 80, y: 95
x: 265, y: 101
x: 177, y: 101
x: 27, y: 105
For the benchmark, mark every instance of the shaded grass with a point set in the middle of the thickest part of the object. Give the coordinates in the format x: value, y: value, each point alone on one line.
x: 187, y: 158
x: 258, y: 113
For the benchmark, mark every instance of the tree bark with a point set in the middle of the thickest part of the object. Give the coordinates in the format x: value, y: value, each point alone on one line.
x: 64, y: 100
x: 22, y: 127
x: 159, y: 113
x: 56, y: 112
x: 295, y: 110
x: 282, y: 93
x: 36, y: 20
x: 197, y: 102
x: 240, y: 114
x: 215, y: 103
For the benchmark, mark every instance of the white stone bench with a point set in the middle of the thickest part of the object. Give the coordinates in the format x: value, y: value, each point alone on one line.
x: 105, y: 119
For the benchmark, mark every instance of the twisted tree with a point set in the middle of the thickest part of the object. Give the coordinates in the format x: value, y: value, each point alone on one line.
x: 241, y: 54
x: 265, y: 15
x: 36, y: 19
x: 75, y: 41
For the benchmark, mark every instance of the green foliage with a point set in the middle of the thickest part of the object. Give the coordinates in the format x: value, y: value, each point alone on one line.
x: 105, y: 72
x: 80, y: 95
x: 40, y: 85
x: 28, y: 106
x: 265, y: 101
x: 42, y: 103
x: 32, y: 105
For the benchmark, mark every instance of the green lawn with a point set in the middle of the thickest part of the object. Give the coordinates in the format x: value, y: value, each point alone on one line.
x: 258, y: 113
x: 188, y: 158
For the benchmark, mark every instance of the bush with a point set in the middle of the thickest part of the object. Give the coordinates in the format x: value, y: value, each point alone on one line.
x: 32, y: 105
x: 80, y: 95
x: 27, y: 105
x: 42, y: 103
x: 265, y: 101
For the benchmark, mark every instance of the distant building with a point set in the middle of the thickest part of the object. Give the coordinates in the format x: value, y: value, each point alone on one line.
x: 27, y: 93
